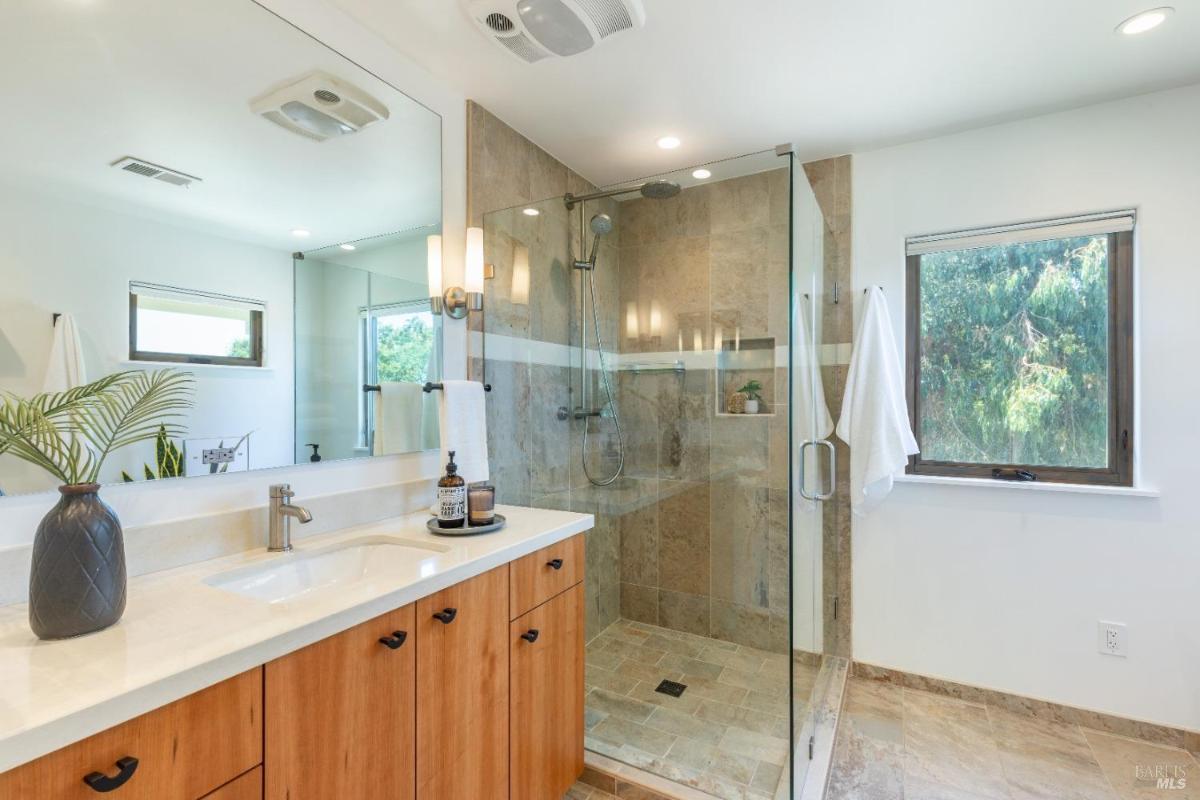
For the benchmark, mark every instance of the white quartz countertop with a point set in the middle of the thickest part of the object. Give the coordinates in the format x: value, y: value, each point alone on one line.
x: 180, y: 635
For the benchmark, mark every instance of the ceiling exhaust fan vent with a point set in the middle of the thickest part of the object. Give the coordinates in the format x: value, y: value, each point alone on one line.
x: 499, y: 23
x: 609, y: 16
x: 536, y: 29
x: 521, y: 46
x: 159, y: 173
x: 318, y: 106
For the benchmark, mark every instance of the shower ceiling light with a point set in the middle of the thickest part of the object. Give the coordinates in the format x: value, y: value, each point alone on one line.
x: 669, y: 142
x: 701, y: 174
x: 301, y: 233
x: 347, y: 247
x: 1145, y: 21
x: 531, y: 212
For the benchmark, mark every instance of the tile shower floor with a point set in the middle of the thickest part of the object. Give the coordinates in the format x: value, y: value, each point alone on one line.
x: 903, y: 744
x: 726, y: 735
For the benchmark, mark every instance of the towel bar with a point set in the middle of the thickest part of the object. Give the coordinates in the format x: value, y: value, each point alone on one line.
x: 427, y: 388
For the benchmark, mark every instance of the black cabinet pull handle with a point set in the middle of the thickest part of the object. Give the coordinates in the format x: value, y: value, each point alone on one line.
x: 447, y: 616
x: 555, y: 564
x: 394, y: 641
x: 530, y: 635
x: 102, y: 783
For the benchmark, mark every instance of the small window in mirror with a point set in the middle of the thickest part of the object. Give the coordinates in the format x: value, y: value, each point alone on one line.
x: 192, y: 327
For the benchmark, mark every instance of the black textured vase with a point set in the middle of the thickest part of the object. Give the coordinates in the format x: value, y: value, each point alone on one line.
x: 77, y: 584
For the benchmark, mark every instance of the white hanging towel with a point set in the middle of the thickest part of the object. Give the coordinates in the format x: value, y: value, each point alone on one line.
x: 463, y: 420
x: 65, y: 369
x: 874, y: 419
x: 398, y: 410
x: 812, y: 420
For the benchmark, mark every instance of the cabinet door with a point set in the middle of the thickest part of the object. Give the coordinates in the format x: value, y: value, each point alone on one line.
x: 178, y: 752
x: 340, y: 715
x: 247, y: 787
x: 546, y: 658
x: 462, y: 696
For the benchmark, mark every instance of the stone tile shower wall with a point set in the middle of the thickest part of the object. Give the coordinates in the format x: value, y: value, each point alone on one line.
x: 535, y: 456
x: 705, y: 549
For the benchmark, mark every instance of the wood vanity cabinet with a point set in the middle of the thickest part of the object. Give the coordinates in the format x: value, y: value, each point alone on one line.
x: 340, y: 715
x: 247, y: 787
x: 472, y: 693
x: 462, y: 690
x: 546, y: 716
x: 182, y: 751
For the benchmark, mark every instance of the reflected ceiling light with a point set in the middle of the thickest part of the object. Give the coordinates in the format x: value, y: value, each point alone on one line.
x: 701, y: 174
x: 347, y: 247
x: 669, y: 142
x: 301, y: 233
x: 1145, y: 21
x: 531, y: 212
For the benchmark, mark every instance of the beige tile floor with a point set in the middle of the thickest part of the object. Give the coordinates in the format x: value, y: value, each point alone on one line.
x: 903, y: 744
x: 581, y: 791
x: 726, y: 735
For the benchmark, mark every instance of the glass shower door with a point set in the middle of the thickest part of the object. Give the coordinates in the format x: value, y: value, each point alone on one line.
x: 813, y: 465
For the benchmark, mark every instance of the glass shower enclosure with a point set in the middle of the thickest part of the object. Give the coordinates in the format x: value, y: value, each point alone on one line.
x: 645, y: 351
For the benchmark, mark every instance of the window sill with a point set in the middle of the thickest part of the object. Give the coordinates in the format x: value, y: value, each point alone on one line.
x: 1021, y: 486
x: 183, y: 365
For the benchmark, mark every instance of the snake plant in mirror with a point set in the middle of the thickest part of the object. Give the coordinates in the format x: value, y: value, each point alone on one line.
x: 77, y: 580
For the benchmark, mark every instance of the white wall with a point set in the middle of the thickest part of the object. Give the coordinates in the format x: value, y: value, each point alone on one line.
x: 143, y: 504
x: 1003, y: 588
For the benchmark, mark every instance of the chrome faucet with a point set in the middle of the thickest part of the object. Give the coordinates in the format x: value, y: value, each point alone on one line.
x: 280, y: 518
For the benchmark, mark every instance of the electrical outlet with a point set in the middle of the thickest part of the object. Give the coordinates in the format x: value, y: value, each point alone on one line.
x: 1112, y: 638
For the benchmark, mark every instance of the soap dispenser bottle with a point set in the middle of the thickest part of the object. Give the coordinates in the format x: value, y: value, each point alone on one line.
x: 452, y: 497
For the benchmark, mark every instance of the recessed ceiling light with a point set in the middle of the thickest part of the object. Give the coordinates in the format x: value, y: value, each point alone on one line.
x: 1145, y: 21
x: 347, y: 247
x: 531, y: 212
x: 701, y: 174
x: 669, y: 142
x: 301, y: 233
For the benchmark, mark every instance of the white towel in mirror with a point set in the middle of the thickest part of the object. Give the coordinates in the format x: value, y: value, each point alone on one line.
x: 399, y: 407
x: 65, y: 369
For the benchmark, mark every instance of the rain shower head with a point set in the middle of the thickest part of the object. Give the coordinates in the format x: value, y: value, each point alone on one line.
x: 659, y: 190
x: 651, y: 190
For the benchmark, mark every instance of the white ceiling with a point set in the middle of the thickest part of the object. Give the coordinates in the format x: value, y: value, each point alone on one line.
x: 86, y: 82
x: 832, y: 76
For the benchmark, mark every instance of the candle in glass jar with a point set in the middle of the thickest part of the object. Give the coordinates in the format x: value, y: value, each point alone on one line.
x: 481, y: 504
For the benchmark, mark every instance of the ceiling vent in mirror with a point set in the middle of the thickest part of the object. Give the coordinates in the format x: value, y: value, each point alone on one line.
x: 536, y: 29
x: 159, y: 173
x: 319, y: 106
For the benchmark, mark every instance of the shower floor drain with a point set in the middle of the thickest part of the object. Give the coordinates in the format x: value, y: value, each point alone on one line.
x: 672, y: 688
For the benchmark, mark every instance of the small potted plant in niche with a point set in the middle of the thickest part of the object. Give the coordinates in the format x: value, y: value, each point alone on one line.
x: 753, y: 392
x: 77, y: 579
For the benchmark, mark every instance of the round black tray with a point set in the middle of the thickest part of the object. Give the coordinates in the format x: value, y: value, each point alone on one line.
x: 466, y: 530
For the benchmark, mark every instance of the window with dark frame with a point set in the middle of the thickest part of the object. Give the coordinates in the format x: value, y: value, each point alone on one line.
x: 173, y: 325
x: 1020, y: 352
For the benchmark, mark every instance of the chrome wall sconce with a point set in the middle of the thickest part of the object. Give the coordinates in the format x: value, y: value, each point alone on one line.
x: 457, y: 301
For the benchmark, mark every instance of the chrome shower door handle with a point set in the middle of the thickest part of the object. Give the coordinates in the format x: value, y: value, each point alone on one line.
x: 803, y: 477
x: 832, y: 470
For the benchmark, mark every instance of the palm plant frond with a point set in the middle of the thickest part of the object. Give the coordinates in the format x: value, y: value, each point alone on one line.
x: 70, y: 434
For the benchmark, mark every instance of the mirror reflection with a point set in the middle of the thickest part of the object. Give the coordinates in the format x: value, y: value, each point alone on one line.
x: 256, y: 222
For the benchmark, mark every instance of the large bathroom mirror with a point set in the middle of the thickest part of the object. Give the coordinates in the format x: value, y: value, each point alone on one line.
x: 199, y: 186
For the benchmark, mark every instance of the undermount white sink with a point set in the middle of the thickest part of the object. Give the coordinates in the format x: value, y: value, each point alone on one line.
x: 292, y: 576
